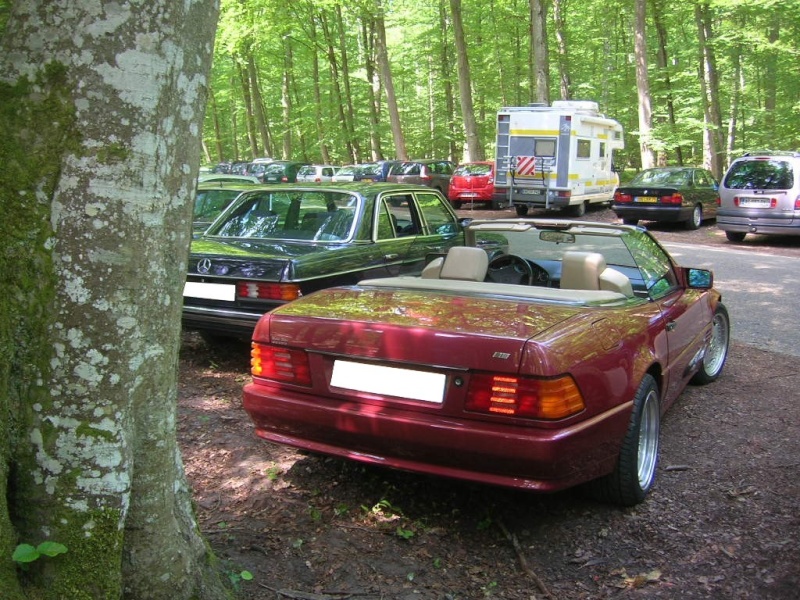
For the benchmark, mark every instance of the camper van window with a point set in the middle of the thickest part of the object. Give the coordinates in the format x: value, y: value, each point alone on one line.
x: 602, y: 149
x: 584, y: 149
x: 545, y: 148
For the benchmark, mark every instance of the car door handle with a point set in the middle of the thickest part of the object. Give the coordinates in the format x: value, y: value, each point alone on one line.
x: 671, y: 326
x: 391, y: 256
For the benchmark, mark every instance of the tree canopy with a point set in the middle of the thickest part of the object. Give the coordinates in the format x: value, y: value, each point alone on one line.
x: 302, y: 80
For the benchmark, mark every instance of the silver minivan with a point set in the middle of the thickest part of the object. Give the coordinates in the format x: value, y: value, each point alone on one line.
x: 760, y: 194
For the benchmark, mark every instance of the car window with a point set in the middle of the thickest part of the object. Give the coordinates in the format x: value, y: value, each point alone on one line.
x: 397, y: 217
x: 654, y: 265
x: 209, y: 203
x: 473, y: 169
x: 437, y: 217
x: 290, y: 215
x: 408, y: 169
x: 760, y: 174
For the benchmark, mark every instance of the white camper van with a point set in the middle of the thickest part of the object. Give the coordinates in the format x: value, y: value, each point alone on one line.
x: 556, y: 157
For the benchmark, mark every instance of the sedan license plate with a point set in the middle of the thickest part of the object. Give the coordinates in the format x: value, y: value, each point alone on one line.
x: 750, y: 202
x: 389, y: 381
x: 209, y: 291
x: 646, y: 199
x: 468, y: 194
x: 367, y: 180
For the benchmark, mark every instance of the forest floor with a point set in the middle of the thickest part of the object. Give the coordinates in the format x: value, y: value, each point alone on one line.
x: 723, y: 521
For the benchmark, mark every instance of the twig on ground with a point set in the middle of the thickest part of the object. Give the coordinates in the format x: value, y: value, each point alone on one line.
x: 524, y: 561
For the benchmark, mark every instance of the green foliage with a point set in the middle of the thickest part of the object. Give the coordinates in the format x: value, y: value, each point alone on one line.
x: 285, y: 40
x: 25, y: 553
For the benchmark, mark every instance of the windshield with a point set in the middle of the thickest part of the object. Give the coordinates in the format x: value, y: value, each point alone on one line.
x: 661, y: 177
x: 289, y: 215
x: 473, y: 169
x: 760, y: 174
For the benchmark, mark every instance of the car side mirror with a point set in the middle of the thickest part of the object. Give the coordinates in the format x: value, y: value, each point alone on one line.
x: 702, y: 279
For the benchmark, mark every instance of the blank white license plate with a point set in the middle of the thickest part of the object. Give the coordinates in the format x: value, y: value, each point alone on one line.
x: 754, y: 202
x: 209, y: 291
x: 389, y: 381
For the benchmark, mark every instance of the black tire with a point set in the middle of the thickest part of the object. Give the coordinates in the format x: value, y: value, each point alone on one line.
x: 630, y: 221
x: 716, y: 352
x: 696, y: 219
x: 522, y: 209
x: 735, y: 236
x: 635, y: 473
x: 577, y: 210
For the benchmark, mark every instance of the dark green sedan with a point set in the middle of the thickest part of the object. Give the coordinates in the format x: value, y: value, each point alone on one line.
x: 276, y: 243
x: 688, y: 195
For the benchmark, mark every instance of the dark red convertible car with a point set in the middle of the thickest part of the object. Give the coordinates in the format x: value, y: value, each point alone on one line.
x: 546, y: 367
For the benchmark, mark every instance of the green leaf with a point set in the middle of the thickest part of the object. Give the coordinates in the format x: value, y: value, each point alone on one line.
x: 25, y: 553
x: 51, y: 548
x: 246, y: 575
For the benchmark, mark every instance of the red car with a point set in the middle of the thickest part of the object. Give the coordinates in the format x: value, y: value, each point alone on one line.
x: 473, y: 182
x: 543, y: 368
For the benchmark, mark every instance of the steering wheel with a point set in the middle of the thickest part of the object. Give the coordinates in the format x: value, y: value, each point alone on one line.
x: 509, y: 268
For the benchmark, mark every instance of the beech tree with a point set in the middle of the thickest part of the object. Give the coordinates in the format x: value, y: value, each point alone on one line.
x: 102, y: 107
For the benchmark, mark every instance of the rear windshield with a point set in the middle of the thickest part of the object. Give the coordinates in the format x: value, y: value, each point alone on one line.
x: 473, y: 170
x: 760, y: 174
x: 289, y: 215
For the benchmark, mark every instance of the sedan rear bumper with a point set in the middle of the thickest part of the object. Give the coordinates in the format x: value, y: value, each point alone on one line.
x: 667, y: 214
x: 519, y: 456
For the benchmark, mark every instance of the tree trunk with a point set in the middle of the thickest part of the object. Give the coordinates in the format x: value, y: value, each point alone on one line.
x: 561, y: 45
x: 286, y: 99
x: 102, y: 114
x: 643, y: 84
x: 250, y: 120
x: 338, y: 97
x: 348, y: 94
x: 259, y: 117
x: 444, y: 70
x: 663, y: 69
x: 388, y: 85
x: 474, y: 147
x: 713, y: 147
x: 541, y: 70
x: 373, y: 87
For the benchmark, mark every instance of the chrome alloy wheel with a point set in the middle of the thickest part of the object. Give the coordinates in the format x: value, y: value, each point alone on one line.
x: 648, y: 440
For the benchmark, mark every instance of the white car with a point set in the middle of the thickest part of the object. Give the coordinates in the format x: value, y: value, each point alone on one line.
x: 316, y: 173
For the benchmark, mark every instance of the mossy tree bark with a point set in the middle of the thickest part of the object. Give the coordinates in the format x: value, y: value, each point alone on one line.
x: 100, y: 115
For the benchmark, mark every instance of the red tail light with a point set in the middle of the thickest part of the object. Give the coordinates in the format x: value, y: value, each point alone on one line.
x: 524, y: 396
x: 284, y: 179
x: 673, y: 199
x: 280, y: 364
x: 257, y: 290
x: 797, y: 203
x: 621, y: 198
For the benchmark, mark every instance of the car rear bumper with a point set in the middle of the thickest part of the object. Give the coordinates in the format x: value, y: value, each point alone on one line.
x: 786, y: 223
x: 526, y: 457
x: 668, y: 214
x: 231, y: 322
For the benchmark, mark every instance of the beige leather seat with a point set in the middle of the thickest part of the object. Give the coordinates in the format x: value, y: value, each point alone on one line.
x: 464, y: 263
x: 588, y: 271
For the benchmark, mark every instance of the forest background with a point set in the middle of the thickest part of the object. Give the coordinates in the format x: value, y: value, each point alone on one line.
x: 338, y: 82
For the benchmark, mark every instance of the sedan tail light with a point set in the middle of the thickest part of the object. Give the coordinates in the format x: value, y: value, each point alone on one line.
x: 621, y: 198
x: 673, y: 199
x: 524, y: 396
x: 257, y: 290
x: 280, y: 364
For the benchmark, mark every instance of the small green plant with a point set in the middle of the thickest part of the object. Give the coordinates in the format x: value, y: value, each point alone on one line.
x: 405, y: 534
x: 237, y: 578
x: 315, y: 513
x: 25, y: 553
x: 489, y: 589
x: 273, y: 473
x: 341, y: 510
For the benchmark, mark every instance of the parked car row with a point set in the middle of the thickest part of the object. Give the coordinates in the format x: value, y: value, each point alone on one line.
x: 471, y: 182
x: 759, y: 194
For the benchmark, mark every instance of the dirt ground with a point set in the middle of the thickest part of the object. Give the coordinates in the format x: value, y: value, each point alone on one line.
x: 723, y: 521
